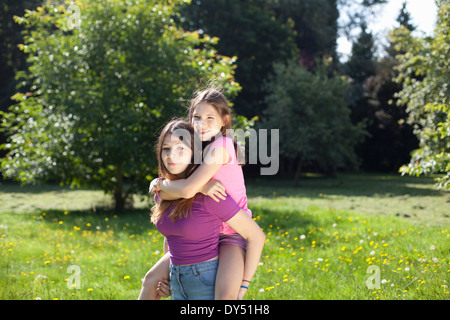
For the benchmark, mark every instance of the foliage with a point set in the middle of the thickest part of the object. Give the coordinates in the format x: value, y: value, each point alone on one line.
x: 12, y: 59
x: 102, y: 85
x: 311, y: 111
x: 361, y: 64
x: 424, y: 73
x: 315, y: 26
x: 250, y: 31
x: 10, y: 36
x: 404, y: 18
x: 390, y: 138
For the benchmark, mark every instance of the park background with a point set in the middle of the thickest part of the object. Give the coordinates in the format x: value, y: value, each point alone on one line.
x: 359, y: 208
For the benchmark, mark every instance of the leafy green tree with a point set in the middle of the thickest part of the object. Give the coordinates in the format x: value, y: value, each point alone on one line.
x: 390, y: 138
x: 315, y: 25
x: 311, y: 111
x: 404, y: 18
x: 250, y: 31
x: 12, y: 59
x: 361, y: 67
x: 424, y: 75
x: 361, y: 64
x: 104, y: 76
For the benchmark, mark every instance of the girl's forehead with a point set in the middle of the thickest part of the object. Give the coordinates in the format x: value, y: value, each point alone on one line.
x: 205, y: 108
x: 172, y: 139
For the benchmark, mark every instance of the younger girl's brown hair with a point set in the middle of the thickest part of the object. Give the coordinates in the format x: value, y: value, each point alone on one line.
x: 217, y: 99
x: 182, y: 207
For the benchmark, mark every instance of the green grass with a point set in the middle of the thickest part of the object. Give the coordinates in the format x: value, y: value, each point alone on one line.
x: 321, y: 239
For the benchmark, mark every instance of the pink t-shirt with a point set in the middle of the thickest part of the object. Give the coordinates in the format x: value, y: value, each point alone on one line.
x: 232, y: 177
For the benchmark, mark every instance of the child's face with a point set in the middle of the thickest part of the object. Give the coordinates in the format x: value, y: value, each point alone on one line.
x: 206, y: 121
x: 175, y: 155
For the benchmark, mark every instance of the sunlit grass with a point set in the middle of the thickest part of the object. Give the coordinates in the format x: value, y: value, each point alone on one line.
x: 313, y: 251
x: 112, y: 253
x: 322, y: 253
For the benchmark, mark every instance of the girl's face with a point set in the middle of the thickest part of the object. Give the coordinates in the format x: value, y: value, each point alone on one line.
x: 206, y: 121
x: 175, y: 155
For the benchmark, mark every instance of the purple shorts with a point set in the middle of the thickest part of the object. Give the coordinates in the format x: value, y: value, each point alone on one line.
x: 234, y: 239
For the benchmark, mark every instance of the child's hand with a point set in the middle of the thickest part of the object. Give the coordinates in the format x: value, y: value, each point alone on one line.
x: 214, y: 189
x: 163, y: 288
x: 154, y: 186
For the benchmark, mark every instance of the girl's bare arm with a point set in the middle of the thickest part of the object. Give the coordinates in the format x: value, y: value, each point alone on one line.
x: 187, y: 188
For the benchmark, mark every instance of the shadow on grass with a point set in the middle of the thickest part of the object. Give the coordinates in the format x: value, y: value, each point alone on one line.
x: 310, y: 185
x: 17, y: 187
x: 284, y: 221
x: 388, y: 185
x: 137, y: 222
x: 130, y: 222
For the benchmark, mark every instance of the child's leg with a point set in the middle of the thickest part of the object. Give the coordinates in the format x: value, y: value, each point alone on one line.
x: 230, y: 272
x: 156, y: 274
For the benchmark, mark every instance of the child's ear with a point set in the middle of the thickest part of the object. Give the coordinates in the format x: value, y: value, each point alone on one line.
x: 226, y: 120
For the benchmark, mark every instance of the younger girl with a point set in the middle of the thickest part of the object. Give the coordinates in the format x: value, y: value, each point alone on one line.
x: 210, y: 115
x: 191, y: 226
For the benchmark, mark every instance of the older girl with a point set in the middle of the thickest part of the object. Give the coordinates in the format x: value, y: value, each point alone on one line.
x: 191, y: 226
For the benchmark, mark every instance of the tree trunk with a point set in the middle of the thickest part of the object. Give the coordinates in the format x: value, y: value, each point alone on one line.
x: 119, y: 199
x: 297, y: 172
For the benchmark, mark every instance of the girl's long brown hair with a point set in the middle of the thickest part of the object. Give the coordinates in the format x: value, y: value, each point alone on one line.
x: 181, y: 207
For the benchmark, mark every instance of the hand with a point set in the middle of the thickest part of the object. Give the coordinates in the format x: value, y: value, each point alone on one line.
x: 154, y: 186
x: 214, y: 189
x: 163, y: 288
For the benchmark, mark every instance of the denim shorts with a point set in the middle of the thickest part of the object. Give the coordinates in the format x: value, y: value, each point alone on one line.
x: 193, y: 282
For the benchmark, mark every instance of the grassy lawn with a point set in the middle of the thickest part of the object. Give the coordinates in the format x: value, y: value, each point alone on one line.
x: 354, y: 237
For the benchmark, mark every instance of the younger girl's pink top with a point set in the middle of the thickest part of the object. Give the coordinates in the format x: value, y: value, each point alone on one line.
x: 232, y: 177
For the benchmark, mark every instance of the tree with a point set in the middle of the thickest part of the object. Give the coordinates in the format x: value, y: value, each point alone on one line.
x: 11, y: 57
x: 102, y: 85
x: 315, y: 27
x: 361, y: 67
x: 250, y: 31
x: 361, y: 64
x: 404, y: 18
x: 390, y: 138
x: 424, y: 75
x: 311, y: 111
x: 355, y: 12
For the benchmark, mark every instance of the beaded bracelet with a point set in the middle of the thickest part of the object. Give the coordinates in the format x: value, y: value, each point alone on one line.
x: 244, y: 287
